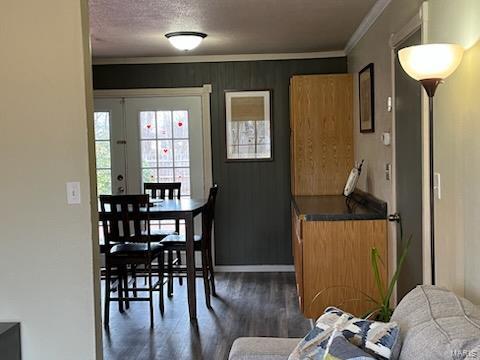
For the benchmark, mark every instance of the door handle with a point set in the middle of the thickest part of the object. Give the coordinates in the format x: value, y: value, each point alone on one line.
x: 394, y: 217
x: 121, y: 189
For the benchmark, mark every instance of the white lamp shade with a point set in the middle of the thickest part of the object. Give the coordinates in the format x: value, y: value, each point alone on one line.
x: 185, y: 41
x: 430, y: 61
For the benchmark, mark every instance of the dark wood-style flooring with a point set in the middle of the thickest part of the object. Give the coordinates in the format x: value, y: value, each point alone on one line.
x: 248, y: 304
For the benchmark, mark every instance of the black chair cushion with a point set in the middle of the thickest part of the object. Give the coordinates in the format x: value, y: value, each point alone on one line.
x: 135, y: 249
x: 178, y: 240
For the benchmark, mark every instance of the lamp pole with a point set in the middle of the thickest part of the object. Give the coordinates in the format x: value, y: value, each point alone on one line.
x: 430, y: 64
x: 430, y: 85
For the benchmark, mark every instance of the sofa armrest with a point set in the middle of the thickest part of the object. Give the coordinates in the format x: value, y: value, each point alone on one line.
x: 262, y: 348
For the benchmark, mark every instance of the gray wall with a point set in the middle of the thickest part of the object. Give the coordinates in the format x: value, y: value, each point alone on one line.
x: 253, y: 214
x: 375, y: 48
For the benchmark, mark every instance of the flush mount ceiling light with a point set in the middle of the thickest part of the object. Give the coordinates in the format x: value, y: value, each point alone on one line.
x: 185, y: 40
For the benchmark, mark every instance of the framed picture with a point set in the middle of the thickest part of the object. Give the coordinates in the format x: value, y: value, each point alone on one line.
x: 367, y: 99
x: 248, y: 125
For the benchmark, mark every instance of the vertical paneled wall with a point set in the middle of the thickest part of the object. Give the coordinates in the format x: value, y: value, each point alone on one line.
x: 253, y: 215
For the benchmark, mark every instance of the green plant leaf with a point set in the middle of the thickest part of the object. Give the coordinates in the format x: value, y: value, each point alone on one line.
x: 376, y: 272
x: 397, y: 271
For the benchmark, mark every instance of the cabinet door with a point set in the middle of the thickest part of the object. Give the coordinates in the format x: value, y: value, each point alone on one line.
x: 322, y: 133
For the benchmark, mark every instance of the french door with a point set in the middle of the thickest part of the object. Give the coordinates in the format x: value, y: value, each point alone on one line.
x: 149, y: 139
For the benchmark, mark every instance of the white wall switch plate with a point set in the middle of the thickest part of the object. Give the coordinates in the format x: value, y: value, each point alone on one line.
x: 73, y: 193
x: 386, y: 138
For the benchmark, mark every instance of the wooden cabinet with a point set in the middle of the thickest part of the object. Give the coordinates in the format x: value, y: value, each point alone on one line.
x: 331, y: 245
x: 332, y: 263
x: 321, y: 123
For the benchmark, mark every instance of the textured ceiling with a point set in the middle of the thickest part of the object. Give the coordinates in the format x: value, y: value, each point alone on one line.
x: 136, y: 28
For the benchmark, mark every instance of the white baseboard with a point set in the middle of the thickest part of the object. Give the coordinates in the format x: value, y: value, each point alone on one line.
x: 254, y: 268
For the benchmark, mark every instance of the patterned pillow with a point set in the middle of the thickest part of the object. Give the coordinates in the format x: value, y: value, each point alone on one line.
x: 340, y: 348
x: 379, y: 339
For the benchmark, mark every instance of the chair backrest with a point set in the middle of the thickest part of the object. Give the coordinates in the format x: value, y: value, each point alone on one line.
x: 208, y: 215
x: 163, y: 190
x: 124, y: 218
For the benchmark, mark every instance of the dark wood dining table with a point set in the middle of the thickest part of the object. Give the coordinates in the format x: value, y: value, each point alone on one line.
x: 182, y: 209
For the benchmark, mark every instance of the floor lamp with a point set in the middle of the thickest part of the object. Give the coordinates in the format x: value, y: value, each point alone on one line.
x: 430, y: 64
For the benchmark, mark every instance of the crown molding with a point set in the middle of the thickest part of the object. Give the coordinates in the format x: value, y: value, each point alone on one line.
x: 218, y: 58
x: 366, y: 24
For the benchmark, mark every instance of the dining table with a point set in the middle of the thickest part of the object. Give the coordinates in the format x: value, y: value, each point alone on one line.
x: 181, y: 209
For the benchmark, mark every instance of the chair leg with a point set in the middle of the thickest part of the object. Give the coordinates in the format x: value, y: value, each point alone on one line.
x: 160, y: 283
x: 170, y: 273
x: 179, y: 262
x: 125, y: 286
x: 150, y: 292
x: 206, y: 285
x: 106, y: 309
x: 120, y: 289
x: 212, y: 275
x: 134, y: 277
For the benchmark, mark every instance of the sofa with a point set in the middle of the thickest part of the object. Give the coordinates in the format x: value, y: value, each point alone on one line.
x: 434, y: 324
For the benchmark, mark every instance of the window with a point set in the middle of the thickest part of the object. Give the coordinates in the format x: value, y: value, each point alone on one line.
x: 248, y: 125
x: 164, y: 144
x: 102, y: 152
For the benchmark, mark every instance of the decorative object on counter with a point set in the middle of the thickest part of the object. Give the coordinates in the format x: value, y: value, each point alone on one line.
x: 353, y: 179
x: 430, y: 64
x: 378, y: 340
x: 366, y: 94
x: 248, y: 125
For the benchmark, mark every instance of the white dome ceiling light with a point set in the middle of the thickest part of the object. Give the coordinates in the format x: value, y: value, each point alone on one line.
x: 185, y: 40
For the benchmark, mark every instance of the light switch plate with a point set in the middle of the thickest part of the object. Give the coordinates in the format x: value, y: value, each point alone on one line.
x: 73, y: 193
x: 388, y: 172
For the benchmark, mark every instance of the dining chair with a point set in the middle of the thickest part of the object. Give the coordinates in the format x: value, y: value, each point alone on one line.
x: 166, y: 191
x: 202, y: 243
x: 124, y: 218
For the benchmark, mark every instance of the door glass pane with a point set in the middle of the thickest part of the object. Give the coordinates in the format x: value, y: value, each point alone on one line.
x: 104, y: 182
x: 165, y: 153
x: 180, y: 124
x: 102, y: 125
x: 149, y: 153
x: 165, y: 175
x: 103, y: 152
x: 164, y: 123
x: 182, y: 156
x: 149, y: 175
x: 147, y: 125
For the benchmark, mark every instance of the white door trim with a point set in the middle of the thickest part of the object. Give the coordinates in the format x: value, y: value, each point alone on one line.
x: 395, y: 39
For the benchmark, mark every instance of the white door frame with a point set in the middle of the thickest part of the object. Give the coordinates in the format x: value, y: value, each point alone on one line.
x: 203, y: 91
x: 415, y: 24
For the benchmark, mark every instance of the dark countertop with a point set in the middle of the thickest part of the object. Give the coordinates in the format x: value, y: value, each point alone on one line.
x: 360, y: 206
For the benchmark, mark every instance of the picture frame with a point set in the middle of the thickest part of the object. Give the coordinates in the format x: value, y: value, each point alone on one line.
x: 366, y: 95
x: 248, y: 125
